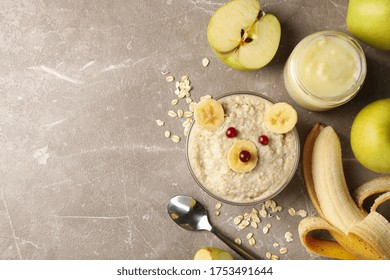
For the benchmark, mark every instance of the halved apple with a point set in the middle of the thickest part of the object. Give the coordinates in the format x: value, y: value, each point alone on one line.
x: 212, y: 254
x: 243, y: 36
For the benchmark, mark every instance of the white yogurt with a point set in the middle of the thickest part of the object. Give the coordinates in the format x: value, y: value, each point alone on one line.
x: 325, y: 70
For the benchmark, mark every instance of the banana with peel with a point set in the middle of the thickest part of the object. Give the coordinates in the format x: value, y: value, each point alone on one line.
x: 356, y: 233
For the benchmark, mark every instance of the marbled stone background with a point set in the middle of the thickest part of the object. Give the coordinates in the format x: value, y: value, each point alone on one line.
x: 85, y: 172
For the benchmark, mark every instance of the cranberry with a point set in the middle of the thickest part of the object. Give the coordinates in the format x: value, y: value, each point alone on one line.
x: 263, y: 140
x: 245, y: 156
x: 231, y: 132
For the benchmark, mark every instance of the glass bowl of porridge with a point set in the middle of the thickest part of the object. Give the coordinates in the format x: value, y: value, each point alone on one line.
x: 277, y: 154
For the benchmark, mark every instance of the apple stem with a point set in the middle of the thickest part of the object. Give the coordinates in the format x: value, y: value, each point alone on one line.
x: 261, y: 14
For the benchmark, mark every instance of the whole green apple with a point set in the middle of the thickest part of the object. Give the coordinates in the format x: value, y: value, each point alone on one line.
x: 369, y: 21
x: 370, y: 136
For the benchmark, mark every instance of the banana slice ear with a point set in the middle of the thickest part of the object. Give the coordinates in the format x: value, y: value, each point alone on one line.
x: 209, y: 114
x: 281, y: 118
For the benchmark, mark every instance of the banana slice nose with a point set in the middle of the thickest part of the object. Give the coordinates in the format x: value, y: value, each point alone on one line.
x: 242, y: 165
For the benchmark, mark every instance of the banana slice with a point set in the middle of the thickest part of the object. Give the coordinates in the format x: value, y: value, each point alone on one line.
x: 209, y: 114
x: 233, y: 158
x: 281, y: 118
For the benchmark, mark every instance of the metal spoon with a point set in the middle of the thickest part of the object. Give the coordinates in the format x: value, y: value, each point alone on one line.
x: 191, y: 215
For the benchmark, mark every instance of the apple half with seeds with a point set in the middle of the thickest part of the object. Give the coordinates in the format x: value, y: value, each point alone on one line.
x: 244, y: 36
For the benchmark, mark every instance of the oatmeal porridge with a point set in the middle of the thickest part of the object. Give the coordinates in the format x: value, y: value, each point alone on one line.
x: 208, y: 153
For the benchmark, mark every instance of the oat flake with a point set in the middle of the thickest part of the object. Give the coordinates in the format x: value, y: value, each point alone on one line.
x: 283, y: 250
x: 205, y: 61
x: 249, y: 235
x: 172, y: 114
x: 175, y: 138
x: 160, y: 122
x: 252, y: 241
x: 302, y: 213
x: 169, y: 79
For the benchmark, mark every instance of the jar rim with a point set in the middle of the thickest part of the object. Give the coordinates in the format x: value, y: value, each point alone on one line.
x: 345, y: 96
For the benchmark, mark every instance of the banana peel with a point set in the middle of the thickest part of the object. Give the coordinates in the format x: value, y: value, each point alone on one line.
x: 356, y: 235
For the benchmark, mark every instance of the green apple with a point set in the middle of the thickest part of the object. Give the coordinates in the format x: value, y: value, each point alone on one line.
x: 212, y: 254
x: 370, y: 136
x: 243, y: 36
x: 369, y: 21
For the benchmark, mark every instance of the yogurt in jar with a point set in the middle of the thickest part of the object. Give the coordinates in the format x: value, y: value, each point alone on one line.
x: 207, y: 153
x: 325, y: 70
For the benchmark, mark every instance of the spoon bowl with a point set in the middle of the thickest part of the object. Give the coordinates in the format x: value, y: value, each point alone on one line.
x: 191, y: 215
x: 188, y: 213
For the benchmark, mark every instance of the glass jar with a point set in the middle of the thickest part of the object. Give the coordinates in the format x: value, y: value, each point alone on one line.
x: 211, y: 171
x: 325, y: 70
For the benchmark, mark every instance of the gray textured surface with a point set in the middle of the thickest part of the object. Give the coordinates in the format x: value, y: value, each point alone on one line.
x: 85, y: 173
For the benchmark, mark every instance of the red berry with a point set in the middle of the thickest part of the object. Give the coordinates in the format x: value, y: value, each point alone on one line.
x: 263, y: 140
x: 245, y: 156
x: 231, y: 132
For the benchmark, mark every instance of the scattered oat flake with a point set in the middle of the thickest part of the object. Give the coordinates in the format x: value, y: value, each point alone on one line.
x: 255, y: 218
x: 187, y: 122
x: 192, y: 106
x: 278, y: 218
x: 170, y: 79
x: 217, y: 213
x: 291, y: 211
x: 268, y: 255
x: 160, y: 122
x: 263, y: 213
x: 184, y: 78
x: 237, y: 220
x: 243, y: 224
x: 165, y: 72
x: 252, y: 241
x: 205, y: 61
x: 247, y: 216
x: 182, y: 94
x: 218, y: 205
x: 276, y: 244
x: 238, y: 241
x: 249, y: 235
x: 188, y: 114
x: 180, y: 113
x: 167, y: 134
x: 283, y: 250
x: 175, y: 138
x: 268, y: 225
x: 267, y: 204
x: 174, y: 101
x: 172, y: 114
x: 274, y: 257
x: 265, y: 230
x: 302, y: 213
x: 278, y: 208
x: 254, y: 224
x: 188, y: 100
x: 288, y: 236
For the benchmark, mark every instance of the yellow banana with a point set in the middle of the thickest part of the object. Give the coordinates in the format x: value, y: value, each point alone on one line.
x: 356, y: 234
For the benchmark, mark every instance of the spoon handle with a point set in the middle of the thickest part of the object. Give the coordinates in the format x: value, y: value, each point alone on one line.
x: 239, y: 250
